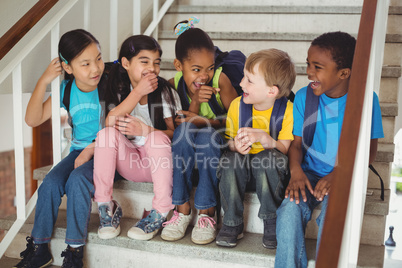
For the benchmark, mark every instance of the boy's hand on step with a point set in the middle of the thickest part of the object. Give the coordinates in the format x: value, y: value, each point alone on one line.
x: 298, y: 184
x: 204, y: 93
x: 323, y: 187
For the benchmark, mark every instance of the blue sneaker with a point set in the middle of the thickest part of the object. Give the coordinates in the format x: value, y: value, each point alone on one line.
x: 147, y: 227
x: 109, y: 222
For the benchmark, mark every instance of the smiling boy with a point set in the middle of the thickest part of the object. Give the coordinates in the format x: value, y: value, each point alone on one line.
x: 329, y: 64
x: 257, y: 161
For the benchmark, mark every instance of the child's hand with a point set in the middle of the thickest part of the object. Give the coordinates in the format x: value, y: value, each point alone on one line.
x: 241, y: 144
x: 52, y: 71
x: 323, y: 186
x: 132, y: 126
x: 204, y: 94
x: 298, y: 182
x: 147, y: 84
x: 186, y: 116
x: 83, y: 157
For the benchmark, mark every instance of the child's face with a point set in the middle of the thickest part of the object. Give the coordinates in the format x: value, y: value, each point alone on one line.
x: 324, y: 72
x: 87, y: 68
x: 147, y: 61
x: 198, y: 69
x: 255, y: 89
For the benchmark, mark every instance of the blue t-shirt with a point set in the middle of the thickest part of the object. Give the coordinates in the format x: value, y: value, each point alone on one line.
x: 85, y: 112
x: 320, y: 158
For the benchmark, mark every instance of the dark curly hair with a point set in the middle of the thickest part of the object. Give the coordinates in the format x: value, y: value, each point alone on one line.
x: 192, y: 39
x: 341, y: 45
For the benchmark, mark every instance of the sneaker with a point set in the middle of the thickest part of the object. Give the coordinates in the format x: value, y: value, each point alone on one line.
x: 204, y: 232
x: 228, y: 235
x: 109, y: 222
x: 175, y: 228
x: 147, y: 227
x: 73, y: 257
x: 35, y: 255
x: 269, y: 238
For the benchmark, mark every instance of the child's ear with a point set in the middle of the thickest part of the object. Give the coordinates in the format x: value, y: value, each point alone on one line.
x: 344, y: 73
x: 125, y: 62
x: 273, y: 91
x: 66, y: 68
x: 177, y: 64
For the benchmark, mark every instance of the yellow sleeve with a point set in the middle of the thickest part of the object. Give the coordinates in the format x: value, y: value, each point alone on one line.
x: 287, y: 124
x: 232, y: 120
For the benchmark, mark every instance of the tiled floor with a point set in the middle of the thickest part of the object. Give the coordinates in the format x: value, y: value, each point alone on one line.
x: 393, y: 255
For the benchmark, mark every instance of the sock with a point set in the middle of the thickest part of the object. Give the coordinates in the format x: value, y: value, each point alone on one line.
x: 76, y: 246
x: 165, y: 214
x: 109, y: 204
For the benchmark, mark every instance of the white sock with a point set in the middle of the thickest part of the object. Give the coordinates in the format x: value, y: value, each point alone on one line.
x: 165, y: 214
x: 76, y: 246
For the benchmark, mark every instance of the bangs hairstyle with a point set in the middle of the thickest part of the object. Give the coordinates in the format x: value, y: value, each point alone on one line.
x: 276, y: 67
x: 190, y: 40
x: 73, y: 43
x: 341, y: 45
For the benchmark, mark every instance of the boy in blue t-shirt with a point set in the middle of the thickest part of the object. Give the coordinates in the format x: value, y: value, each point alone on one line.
x: 329, y: 64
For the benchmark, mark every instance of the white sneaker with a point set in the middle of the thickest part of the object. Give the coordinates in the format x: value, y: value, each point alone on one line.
x: 204, y: 231
x: 109, y: 220
x: 175, y: 228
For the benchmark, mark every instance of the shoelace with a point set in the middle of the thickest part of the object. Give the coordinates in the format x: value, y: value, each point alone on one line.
x: 204, y: 221
x: 174, y: 220
x: 30, y: 248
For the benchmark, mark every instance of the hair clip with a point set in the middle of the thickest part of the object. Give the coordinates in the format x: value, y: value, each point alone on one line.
x: 63, y: 59
x: 116, y: 61
x: 132, y: 48
x: 184, y: 26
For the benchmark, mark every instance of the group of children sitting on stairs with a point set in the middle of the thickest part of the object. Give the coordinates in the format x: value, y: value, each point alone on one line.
x: 130, y: 123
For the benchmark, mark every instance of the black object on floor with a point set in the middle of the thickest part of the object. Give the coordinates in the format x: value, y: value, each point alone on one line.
x: 390, y: 241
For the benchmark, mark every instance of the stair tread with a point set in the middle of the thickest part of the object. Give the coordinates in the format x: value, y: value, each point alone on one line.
x: 266, y: 9
x: 268, y: 36
x: 248, y: 248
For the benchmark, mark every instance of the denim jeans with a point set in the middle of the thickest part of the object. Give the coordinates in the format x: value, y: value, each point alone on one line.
x: 192, y: 147
x: 291, y: 224
x: 78, y: 185
x: 268, y: 170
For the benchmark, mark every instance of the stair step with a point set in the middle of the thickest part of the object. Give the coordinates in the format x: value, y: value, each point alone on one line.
x: 248, y: 253
x: 10, y: 262
x: 222, y: 3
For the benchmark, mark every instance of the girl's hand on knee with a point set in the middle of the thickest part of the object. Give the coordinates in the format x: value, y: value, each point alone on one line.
x: 132, y: 126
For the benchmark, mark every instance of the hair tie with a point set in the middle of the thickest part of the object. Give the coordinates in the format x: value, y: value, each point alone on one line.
x: 184, y: 26
x: 63, y: 59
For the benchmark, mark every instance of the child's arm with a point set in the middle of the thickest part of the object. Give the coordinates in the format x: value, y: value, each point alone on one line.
x: 146, y: 85
x: 85, y: 155
x: 249, y: 136
x: 38, y: 111
x: 298, y: 179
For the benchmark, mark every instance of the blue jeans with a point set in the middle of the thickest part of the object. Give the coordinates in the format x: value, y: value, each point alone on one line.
x: 291, y: 224
x: 266, y: 172
x: 193, y: 146
x: 78, y: 185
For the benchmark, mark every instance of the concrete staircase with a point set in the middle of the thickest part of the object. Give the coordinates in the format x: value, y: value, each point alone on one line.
x: 289, y: 25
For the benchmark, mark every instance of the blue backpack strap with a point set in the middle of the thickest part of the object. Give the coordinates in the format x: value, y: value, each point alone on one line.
x: 245, y: 114
x: 278, y: 112
x: 310, y: 118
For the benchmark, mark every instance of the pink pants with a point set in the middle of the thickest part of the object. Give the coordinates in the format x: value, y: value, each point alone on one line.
x: 149, y: 163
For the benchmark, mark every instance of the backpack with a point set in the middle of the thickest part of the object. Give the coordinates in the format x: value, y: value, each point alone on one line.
x: 275, y: 123
x: 232, y: 64
x: 101, y: 92
x: 309, y: 124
